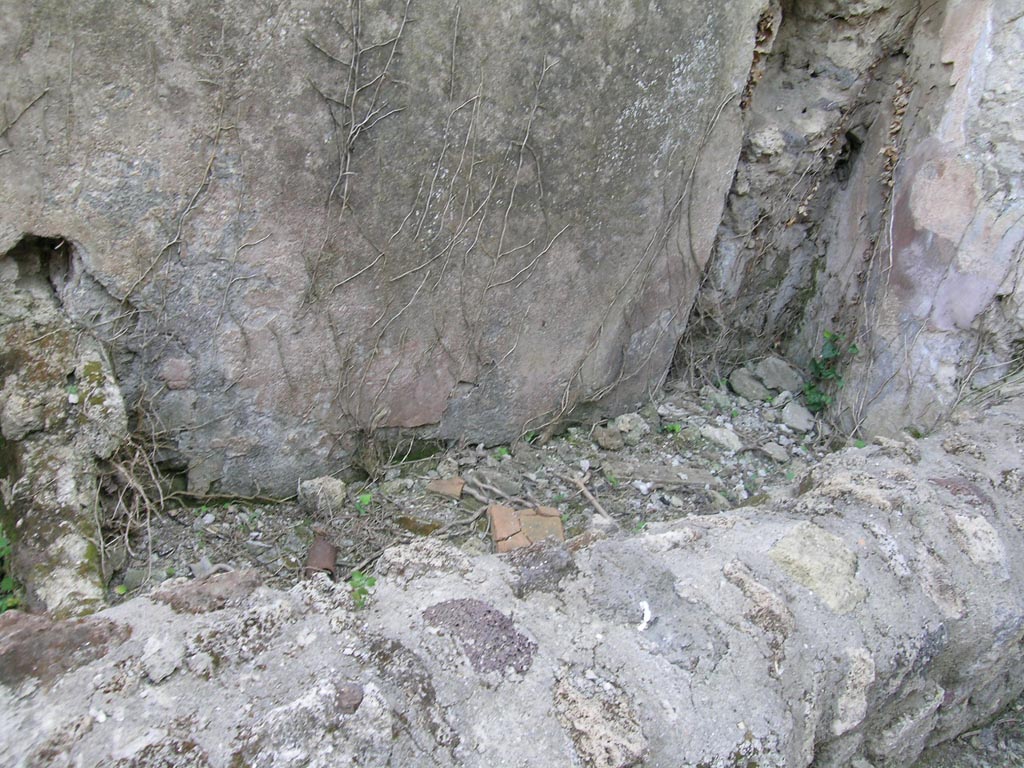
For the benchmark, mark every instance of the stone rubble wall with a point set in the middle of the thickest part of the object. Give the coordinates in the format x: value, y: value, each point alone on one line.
x: 870, y: 611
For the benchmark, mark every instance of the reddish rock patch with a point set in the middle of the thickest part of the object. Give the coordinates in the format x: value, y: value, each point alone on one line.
x: 36, y: 646
x: 210, y: 594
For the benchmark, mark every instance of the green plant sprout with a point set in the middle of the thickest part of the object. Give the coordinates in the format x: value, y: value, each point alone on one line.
x: 361, y: 585
x: 825, y: 376
x: 501, y: 452
x: 8, y: 586
x: 612, y: 479
x: 363, y: 501
x: 673, y: 429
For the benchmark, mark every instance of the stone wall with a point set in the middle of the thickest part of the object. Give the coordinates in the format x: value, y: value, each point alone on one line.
x: 299, y: 224
x: 876, y: 197
x: 944, y: 319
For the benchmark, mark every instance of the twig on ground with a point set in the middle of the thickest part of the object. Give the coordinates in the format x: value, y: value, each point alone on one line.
x: 581, y: 483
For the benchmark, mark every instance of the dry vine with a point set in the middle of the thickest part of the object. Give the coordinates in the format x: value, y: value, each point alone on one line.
x: 359, y: 107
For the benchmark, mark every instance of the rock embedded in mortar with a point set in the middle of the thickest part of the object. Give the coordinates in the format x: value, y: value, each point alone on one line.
x: 601, y: 721
x: 213, y: 593
x: 539, y: 567
x: 33, y: 646
x: 485, y: 635
x: 823, y: 563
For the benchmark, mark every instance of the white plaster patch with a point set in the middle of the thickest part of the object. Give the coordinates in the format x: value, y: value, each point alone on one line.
x: 979, y: 540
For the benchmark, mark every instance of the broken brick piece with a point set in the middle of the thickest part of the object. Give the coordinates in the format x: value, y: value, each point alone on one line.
x: 504, y: 521
x: 447, y: 486
x: 516, y: 541
x: 537, y: 528
x: 516, y: 528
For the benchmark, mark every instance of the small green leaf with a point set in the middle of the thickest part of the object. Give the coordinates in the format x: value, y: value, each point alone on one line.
x: 361, y: 584
x: 121, y: 589
x: 363, y: 502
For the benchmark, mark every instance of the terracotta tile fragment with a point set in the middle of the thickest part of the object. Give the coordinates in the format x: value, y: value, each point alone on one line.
x: 516, y: 541
x: 540, y: 527
x: 504, y: 521
x: 512, y: 528
x: 447, y: 486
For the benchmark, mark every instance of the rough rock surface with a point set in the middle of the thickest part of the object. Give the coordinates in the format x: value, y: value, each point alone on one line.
x: 62, y: 414
x: 877, y: 196
x: 454, y: 217
x: 714, y: 640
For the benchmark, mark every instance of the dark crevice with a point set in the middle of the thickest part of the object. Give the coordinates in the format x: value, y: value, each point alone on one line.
x: 848, y: 153
x: 46, y: 257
